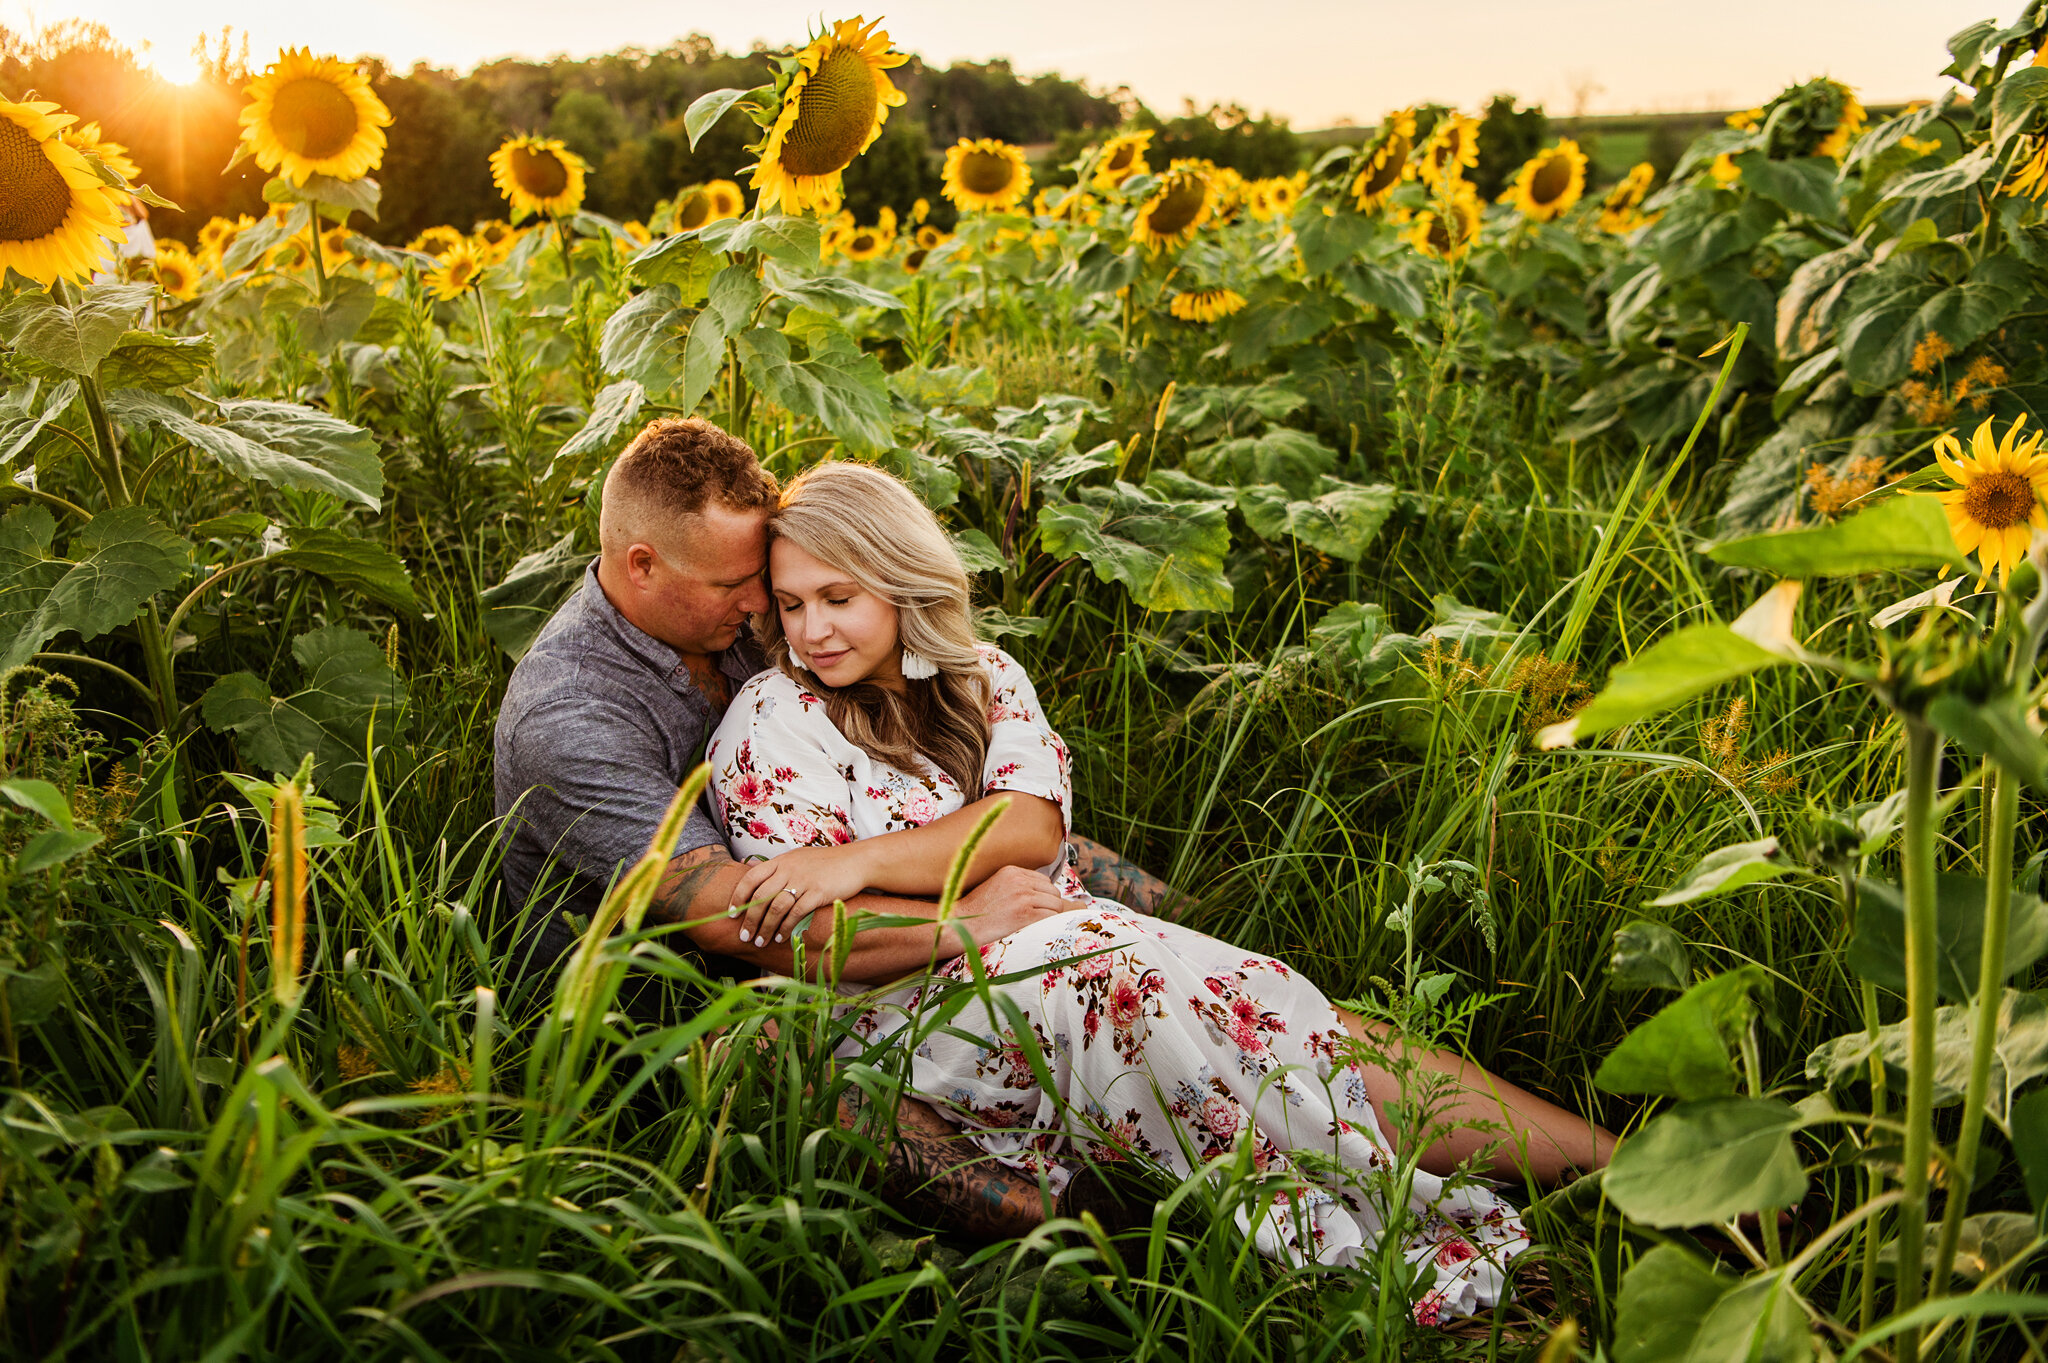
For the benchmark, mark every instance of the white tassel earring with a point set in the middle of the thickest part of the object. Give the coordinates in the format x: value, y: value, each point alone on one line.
x: 917, y: 667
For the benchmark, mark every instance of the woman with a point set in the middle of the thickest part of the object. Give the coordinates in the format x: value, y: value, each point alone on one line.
x: 879, y: 738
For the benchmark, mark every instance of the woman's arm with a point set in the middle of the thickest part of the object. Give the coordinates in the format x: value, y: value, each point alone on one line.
x: 699, y: 884
x: 910, y: 861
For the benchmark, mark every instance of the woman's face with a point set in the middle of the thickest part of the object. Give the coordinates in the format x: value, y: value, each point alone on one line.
x: 840, y: 632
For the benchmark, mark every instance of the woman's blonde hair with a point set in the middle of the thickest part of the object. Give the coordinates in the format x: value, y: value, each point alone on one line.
x: 867, y: 524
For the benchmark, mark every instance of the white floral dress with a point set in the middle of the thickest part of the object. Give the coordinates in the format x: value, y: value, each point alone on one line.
x: 1165, y: 1044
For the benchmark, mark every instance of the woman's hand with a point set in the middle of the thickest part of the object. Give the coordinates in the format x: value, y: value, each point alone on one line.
x: 776, y: 894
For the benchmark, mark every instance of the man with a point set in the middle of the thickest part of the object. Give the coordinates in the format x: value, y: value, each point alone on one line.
x: 609, y: 711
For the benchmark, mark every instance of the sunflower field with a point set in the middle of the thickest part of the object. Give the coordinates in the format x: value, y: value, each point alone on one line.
x: 1595, y: 626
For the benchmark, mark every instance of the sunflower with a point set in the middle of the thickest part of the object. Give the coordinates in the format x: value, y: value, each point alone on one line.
x: 1229, y: 186
x: 1996, y: 506
x: 1746, y: 120
x: 1549, y: 182
x: 436, y: 240
x: 865, y: 243
x: 832, y: 110
x: 1621, y: 210
x: 710, y: 203
x: 929, y: 238
x: 1205, y: 305
x: 493, y: 239
x: 1064, y: 203
x: 986, y: 174
x: 177, y: 274
x: 637, y: 233
x: 1385, y: 161
x: 334, y: 246
x: 289, y: 254
x: 1283, y: 192
x: 1724, y: 170
x: 456, y: 274
x: 1258, y: 200
x: 1122, y: 157
x: 914, y: 261
x: 55, y: 214
x: 86, y: 137
x: 920, y: 210
x: 1848, y: 123
x: 218, y: 237
x: 1177, y: 209
x: 311, y: 115
x: 1449, y: 226
x: 1452, y: 149
x: 2030, y: 168
x: 835, y: 233
x: 538, y: 175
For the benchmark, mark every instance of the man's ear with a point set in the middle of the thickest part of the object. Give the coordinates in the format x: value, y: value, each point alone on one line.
x: 640, y: 560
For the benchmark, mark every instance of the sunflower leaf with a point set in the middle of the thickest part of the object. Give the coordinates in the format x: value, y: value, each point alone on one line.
x: 827, y: 291
x: 838, y: 383
x: 2019, y: 96
x: 1340, y: 520
x: 1667, y: 673
x: 28, y: 410
x: 73, y: 339
x: 120, y: 560
x: 684, y: 262
x: 516, y: 608
x: 350, y: 562
x: 149, y: 359
x: 706, y: 110
x: 361, y: 195
x: 1899, y: 534
x: 277, y: 442
x: 783, y: 237
x: 639, y: 340
x: 1293, y: 459
x: 610, y: 414
x: 1168, y: 554
x: 346, y: 682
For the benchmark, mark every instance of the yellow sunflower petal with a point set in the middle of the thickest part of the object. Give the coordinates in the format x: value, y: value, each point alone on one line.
x: 311, y: 115
x: 56, y: 216
x: 986, y: 175
x: 538, y: 175
x: 832, y: 111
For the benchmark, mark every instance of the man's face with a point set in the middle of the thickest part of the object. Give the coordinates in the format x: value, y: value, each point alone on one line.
x: 699, y: 587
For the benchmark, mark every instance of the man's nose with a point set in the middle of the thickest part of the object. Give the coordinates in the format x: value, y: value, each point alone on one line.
x: 754, y: 597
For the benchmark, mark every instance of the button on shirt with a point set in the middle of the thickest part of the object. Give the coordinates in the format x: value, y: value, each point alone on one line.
x: 601, y: 723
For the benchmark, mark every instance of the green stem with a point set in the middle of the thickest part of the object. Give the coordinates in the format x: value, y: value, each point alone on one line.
x: 319, y: 260
x: 1923, y: 756
x: 109, y: 452
x: 1766, y: 1219
x: 1998, y: 845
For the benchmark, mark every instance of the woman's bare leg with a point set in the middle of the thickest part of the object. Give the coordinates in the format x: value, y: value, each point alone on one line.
x: 1482, y: 1108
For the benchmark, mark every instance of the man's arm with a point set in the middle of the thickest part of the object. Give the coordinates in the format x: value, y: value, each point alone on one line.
x: 699, y: 886
x: 1111, y: 876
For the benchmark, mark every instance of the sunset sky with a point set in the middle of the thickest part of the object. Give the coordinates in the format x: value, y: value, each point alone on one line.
x: 1313, y: 61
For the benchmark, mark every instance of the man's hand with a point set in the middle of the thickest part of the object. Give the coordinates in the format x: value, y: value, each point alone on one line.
x: 1009, y: 901
x: 772, y: 896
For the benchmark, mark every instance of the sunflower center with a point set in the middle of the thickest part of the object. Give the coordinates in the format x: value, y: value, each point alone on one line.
x: 1121, y: 158
x: 459, y: 272
x: 1551, y: 180
x: 539, y: 172
x: 864, y: 241
x: 835, y: 111
x: 1178, y: 207
x: 1999, y: 499
x: 696, y: 211
x: 34, y: 197
x: 1440, y: 238
x: 986, y: 172
x: 313, y: 119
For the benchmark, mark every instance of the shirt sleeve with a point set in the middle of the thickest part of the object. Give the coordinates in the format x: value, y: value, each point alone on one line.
x: 599, y: 789
x: 775, y: 782
x: 1024, y: 753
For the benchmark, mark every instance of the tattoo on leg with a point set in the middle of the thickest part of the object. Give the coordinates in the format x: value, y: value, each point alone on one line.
x: 1113, y: 876
x: 935, y: 1172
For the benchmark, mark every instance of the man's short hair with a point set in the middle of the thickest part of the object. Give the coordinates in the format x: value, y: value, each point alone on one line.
x: 675, y: 465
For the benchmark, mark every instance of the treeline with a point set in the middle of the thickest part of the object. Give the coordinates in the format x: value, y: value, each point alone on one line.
x: 622, y: 112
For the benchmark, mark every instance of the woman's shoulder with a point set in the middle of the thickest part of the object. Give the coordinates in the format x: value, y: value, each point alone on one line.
x: 1003, y: 670
x: 775, y: 699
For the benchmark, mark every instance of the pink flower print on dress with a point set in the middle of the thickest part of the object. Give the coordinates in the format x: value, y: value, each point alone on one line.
x: 1244, y: 1024
x: 919, y: 809
x: 1455, y: 1252
x: 785, y: 774
x: 1220, y: 1117
x: 744, y: 758
x: 750, y: 791
x: 1007, y: 769
x: 757, y: 829
x: 1126, y: 1004
x: 803, y: 830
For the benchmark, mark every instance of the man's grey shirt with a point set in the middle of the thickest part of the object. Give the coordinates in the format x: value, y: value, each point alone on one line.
x: 601, y: 723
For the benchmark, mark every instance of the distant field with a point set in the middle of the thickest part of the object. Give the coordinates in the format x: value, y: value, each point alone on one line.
x: 1614, y: 141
